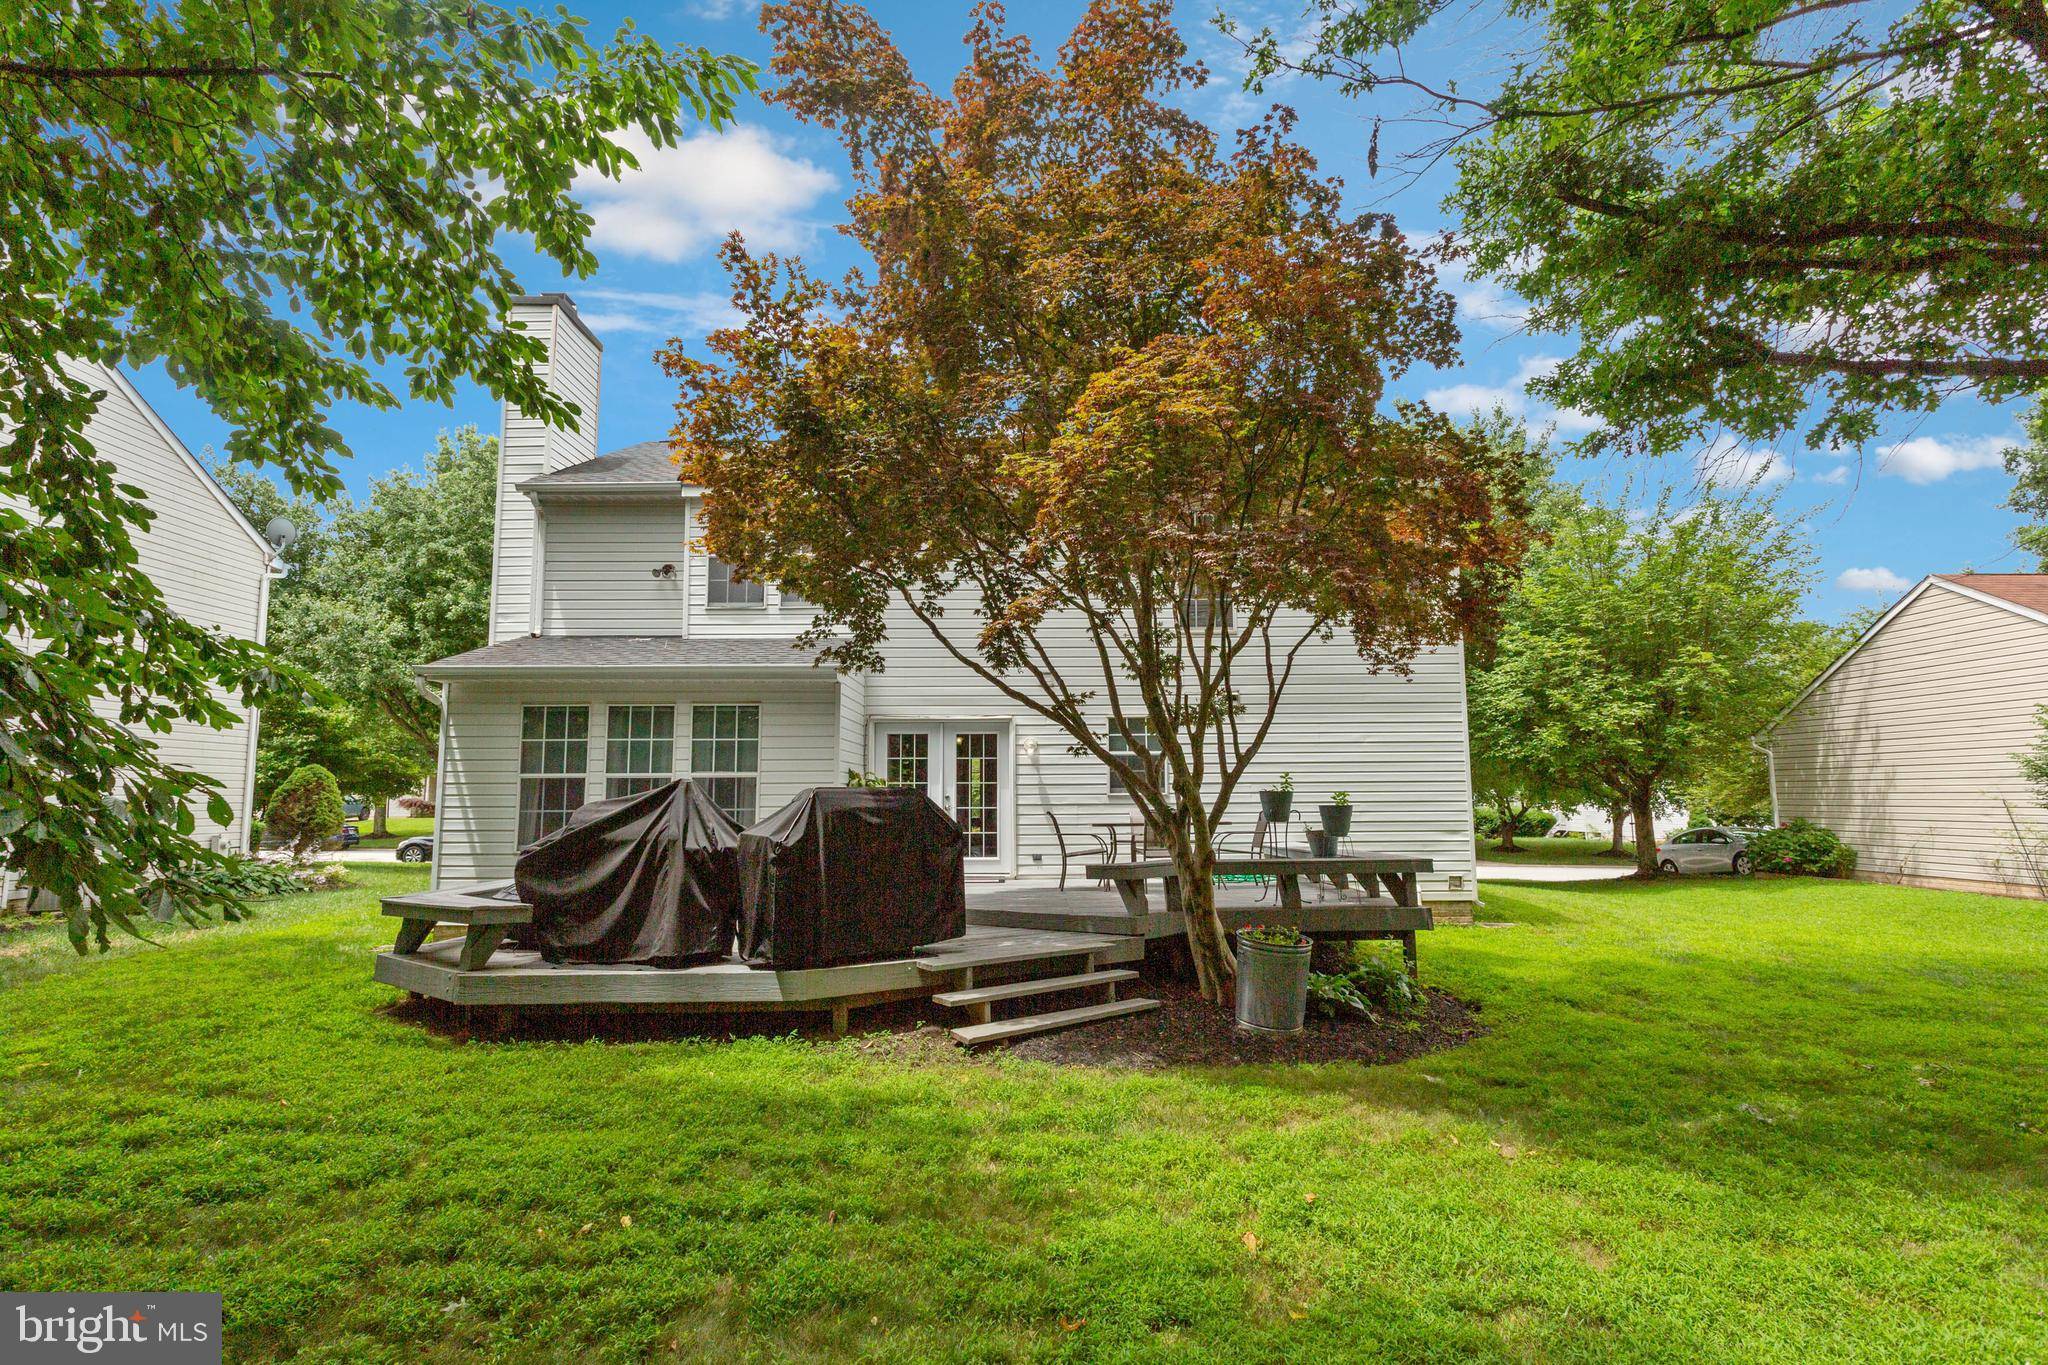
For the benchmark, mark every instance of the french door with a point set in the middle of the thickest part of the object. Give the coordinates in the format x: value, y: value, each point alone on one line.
x: 962, y: 766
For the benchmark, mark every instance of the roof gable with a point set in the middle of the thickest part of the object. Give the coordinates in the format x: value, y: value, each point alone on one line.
x: 1963, y: 584
x: 120, y: 384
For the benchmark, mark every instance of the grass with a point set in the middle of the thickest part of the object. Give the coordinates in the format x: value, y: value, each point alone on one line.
x: 402, y: 827
x: 1714, y: 1120
x: 1551, y: 850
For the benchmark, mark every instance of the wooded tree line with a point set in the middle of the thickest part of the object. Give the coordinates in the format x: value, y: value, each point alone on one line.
x: 371, y: 590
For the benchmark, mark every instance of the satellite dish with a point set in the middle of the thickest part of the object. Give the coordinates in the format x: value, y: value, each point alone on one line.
x: 280, y: 533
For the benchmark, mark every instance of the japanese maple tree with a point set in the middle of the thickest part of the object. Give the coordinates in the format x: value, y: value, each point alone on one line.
x: 1106, y: 415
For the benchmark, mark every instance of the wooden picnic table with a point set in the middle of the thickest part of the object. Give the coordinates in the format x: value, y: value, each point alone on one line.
x: 1398, y: 874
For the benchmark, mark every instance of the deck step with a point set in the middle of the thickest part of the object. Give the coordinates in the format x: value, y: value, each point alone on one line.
x: 1044, y: 985
x: 1002, y: 1029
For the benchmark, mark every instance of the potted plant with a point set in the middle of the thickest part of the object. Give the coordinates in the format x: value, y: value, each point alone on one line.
x: 1272, y: 978
x: 1336, y: 813
x: 1275, y: 803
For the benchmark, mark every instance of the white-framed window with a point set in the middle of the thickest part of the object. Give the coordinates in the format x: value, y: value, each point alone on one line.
x: 789, y: 599
x: 725, y: 755
x: 1121, y: 747
x: 554, y: 756
x: 907, y: 759
x: 639, y: 748
x: 724, y: 588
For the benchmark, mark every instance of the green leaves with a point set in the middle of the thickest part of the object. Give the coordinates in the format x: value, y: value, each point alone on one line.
x: 272, y: 200
x: 1744, y: 211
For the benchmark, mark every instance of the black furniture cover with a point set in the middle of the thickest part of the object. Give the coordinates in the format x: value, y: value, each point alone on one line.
x: 651, y: 878
x: 850, y: 874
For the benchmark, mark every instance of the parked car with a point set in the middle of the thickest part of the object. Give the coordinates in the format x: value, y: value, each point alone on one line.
x: 349, y: 837
x: 1708, y: 848
x: 355, y: 808
x: 418, y: 849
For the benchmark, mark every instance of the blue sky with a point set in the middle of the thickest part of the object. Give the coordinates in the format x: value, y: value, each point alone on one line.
x: 1923, y: 499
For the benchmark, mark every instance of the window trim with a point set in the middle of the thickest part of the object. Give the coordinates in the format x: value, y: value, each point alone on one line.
x: 1114, y: 742
x: 579, y: 775
x: 707, y: 775
x: 660, y: 776
x: 713, y: 561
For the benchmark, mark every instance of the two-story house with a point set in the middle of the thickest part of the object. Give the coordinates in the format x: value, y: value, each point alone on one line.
x: 621, y: 655
x: 212, y: 567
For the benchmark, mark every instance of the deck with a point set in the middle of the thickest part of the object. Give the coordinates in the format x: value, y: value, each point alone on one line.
x: 1013, y: 929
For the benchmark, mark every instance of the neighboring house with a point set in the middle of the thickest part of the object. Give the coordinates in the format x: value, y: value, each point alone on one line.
x: 621, y: 656
x: 211, y: 565
x: 1904, y: 746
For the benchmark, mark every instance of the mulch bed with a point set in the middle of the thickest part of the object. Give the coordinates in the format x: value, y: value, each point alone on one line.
x: 1187, y: 1030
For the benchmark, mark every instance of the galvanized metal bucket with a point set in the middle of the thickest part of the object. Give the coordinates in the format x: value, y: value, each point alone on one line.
x: 1272, y: 986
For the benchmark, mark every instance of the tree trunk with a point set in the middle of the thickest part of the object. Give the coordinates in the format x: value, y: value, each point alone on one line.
x: 1646, y: 833
x: 1617, y: 813
x: 1215, y: 964
x: 379, y: 819
x: 1504, y: 836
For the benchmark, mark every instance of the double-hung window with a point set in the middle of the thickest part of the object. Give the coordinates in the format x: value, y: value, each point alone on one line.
x: 554, y: 754
x: 639, y: 749
x: 725, y: 755
x: 1121, y: 747
x: 724, y: 588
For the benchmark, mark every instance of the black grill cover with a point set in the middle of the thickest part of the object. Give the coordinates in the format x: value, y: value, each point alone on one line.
x: 850, y: 874
x: 651, y: 878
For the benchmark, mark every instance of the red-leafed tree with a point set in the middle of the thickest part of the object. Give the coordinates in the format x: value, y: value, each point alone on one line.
x: 1102, y: 383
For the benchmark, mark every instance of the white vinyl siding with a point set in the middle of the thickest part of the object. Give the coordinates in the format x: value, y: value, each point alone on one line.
x: 476, y: 837
x: 601, y: 570
x: 1396, y: 742
x: 1906, y: 750
x: 529, y: 448
x: 209, y: 569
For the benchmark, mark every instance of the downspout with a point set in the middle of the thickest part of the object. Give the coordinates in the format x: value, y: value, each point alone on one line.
x: 1770, y: 767
x: 271, y: 569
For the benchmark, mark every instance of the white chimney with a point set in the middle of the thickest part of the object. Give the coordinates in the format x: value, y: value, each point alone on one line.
x: 528, y: 448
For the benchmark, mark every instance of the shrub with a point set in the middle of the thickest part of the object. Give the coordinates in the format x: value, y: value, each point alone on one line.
x: 1273, y: 935
x: 305, y: 809
x: 1802, y: 849
x: 416, y: 805
x: 1376, y: 987
x: 248, y: 879
x: 1534, y: 824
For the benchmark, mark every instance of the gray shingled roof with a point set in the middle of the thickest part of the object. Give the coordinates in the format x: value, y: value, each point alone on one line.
x: 624, y: 651
x: 647, y: 462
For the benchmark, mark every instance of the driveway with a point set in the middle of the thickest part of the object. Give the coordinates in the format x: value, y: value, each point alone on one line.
x: 1552, y: 872
x: 358, y: 855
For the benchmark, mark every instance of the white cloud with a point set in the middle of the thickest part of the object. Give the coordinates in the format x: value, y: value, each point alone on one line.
x: 1462, y: 400
x: 1871, y: 580
x: 1485, y: 302
x: 685, y: 198
x: 712, y: 9
x: 1727, y: 464
x: 640, y: 311
x: 1838, y: 475
x: 1930, y: 459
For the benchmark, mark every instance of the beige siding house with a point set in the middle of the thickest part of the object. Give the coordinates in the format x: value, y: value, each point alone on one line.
x: 211, y: 565
x: 1905, y: 746
x: 621, y: 654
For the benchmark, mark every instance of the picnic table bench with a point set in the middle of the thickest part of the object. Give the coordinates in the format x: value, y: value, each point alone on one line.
x: 1399, y: 875
x: 484, y: 917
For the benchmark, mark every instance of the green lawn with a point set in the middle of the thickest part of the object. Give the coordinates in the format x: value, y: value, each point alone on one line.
x: 401, y: 826
x: 1528, y: 850
x: 1714, y: 1120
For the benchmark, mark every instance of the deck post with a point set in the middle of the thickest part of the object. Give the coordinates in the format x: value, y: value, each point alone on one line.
x: 839, y: 1012
x: 479, y: 943
x: 411, y: 934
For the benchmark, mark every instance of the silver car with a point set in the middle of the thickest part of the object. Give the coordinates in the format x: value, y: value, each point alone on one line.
x: 1707, y: 848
